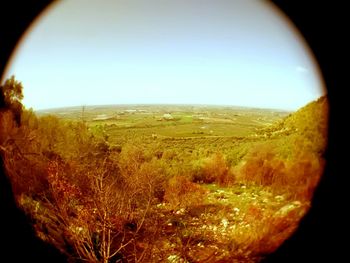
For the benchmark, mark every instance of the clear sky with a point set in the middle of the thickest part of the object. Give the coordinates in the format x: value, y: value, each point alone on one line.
x: 223, y: 52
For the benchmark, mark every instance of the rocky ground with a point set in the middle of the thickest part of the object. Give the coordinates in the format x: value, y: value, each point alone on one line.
x: 239, y: 223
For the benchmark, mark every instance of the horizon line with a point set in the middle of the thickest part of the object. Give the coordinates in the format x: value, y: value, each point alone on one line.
x: 174, y: 104
x: 164, y: 104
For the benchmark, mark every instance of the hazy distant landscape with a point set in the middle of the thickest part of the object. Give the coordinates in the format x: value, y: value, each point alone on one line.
x: 171, y: 120
x: 163, y: 183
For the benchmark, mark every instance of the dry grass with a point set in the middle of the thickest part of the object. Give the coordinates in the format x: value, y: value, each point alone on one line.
x: 181, y: 192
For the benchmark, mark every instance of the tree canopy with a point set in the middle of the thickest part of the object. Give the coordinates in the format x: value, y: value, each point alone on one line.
x: 12, y: 95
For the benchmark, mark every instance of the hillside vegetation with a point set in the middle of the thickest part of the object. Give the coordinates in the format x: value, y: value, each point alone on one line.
x: 163, y: 183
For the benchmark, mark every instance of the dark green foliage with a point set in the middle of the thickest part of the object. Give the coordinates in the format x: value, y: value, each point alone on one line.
x: 12, y: 93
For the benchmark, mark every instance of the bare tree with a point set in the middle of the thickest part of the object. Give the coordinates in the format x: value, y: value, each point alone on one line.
x: 99, y: 223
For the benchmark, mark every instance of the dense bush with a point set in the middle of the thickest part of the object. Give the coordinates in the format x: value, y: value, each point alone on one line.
x: 181, y: 192
x: 214, y: 170
x: 260, y: 166
x: 297, y: 177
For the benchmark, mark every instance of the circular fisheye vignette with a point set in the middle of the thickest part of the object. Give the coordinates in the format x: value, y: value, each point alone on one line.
x: 29, y: 27
x: 216, y: 191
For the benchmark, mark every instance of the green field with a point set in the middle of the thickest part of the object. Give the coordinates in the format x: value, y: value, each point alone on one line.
x: 173, y: 125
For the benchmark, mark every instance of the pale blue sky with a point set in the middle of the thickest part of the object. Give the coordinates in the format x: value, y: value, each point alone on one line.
x: 224, y: 52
